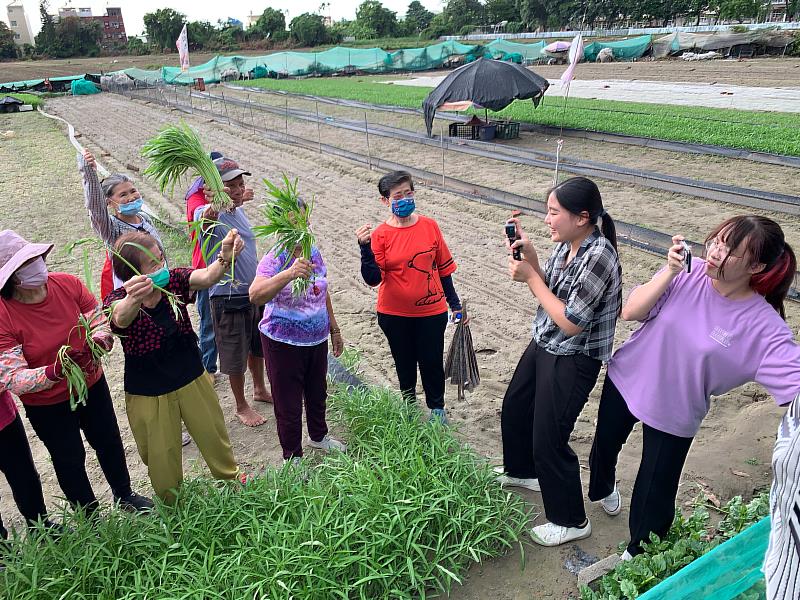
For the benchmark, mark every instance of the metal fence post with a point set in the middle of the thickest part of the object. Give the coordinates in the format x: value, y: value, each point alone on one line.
x: 225, y: 104
x: 252, y: 118
x: 441, y: 136
x: 286, y: 116
x: 319, y: 131
x: 366, y: 131
x: 191, y: 107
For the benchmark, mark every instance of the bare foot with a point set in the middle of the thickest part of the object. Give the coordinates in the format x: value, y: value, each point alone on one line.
x: 250, y: 417
x: 262, y: 395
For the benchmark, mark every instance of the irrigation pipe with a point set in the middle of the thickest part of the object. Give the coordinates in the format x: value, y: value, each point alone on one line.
x: 599, y: 136
x: 102, y: 170
x: 641, y: 238
x: 760, y: 199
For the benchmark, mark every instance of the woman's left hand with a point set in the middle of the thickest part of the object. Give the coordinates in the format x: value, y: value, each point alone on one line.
x: 104, y: 340
x: 520, y: 270
x: 337, y: 341
x: 232, y: 245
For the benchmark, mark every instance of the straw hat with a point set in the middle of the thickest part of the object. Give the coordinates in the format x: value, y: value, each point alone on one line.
x: 15, y: 251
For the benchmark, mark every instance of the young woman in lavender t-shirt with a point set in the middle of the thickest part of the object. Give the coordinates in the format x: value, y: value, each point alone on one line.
x: 703, y: 333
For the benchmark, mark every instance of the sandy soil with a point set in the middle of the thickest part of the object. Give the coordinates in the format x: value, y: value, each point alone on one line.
x: 738, y: 432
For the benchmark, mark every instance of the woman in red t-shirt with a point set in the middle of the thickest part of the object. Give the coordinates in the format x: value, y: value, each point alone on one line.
x: 38, y: 314
x: 408, y: 256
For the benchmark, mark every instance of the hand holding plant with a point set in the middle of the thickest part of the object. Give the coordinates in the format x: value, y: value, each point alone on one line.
x: 138, y: 288
x: 300, y: 269
x: 232, y: 246
x: 88, y: 158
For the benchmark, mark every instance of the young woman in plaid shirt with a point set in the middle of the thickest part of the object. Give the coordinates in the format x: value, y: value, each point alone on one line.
x: 580, y: 293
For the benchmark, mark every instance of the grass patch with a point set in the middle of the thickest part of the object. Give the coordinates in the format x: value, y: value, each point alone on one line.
x: 32, y: 99
x: 401, y: 515
x: 777, y: 133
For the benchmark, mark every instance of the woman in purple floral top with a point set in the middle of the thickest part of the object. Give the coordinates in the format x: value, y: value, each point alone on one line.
x: 294, y: 334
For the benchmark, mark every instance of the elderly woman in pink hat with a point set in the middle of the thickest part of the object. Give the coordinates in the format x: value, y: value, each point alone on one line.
x: 39, y: 313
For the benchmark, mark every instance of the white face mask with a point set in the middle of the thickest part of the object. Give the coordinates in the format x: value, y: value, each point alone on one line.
x: 33, y: 275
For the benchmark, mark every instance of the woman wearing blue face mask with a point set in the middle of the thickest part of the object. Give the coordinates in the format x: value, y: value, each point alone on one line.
x: 165, y: 381
x: 408, y: 257
x: 118, y: 193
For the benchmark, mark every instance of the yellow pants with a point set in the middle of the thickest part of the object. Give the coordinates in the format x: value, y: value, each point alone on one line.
x: 156, y: 425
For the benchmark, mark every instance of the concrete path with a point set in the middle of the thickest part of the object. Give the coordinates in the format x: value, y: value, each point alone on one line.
x: 667, y: 92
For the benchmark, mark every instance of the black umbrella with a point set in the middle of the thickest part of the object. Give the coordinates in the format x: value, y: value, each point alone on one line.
x: 493, y: 84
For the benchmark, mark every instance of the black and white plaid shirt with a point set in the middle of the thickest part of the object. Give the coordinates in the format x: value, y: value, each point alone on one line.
x: 590, y: 286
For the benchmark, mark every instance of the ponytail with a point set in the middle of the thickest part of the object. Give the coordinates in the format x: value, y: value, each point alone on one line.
x: 775, y: 280
x: 608, y: 228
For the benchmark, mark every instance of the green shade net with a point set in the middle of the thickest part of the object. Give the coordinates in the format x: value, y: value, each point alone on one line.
x: 623, y: 50
x: 730, y: 571
x: 529, y: 52
x: 83, y: 87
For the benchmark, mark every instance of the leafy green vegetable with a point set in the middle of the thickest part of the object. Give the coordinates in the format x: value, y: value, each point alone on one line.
x: 288, y: 220
x: 174, y: 151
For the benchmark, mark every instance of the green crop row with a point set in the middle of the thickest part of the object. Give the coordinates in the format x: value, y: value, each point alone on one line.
x: 401, y: 516
x: 26, y: 98
x: 688, y: 539
x: 772, y: 132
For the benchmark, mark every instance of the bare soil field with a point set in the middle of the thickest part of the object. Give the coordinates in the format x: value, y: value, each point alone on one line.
x: 41, y: 198
x: 703, y: 167
x: 685, y: 214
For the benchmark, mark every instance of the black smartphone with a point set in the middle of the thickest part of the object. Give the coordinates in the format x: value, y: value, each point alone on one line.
x: 511, y: 234
x: 687, y: 257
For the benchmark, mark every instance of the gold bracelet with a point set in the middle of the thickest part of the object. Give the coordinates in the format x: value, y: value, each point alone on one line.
x: 223, y: 262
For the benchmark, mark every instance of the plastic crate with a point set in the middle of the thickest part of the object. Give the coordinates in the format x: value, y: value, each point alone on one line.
x: 507, y: 131
x: 472, y: 132
x: 464, y: 131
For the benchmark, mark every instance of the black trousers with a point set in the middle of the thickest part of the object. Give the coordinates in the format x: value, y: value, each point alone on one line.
x: 417, y: 341
x: 540, y: 407
x: 60, y: 428
x: 656, y: 487
x: 16, y: 463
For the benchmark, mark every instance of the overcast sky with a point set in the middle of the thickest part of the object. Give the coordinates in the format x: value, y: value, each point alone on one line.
x: 133, y: 11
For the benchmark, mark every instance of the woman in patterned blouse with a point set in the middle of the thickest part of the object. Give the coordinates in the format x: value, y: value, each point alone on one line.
x: 165, y: 382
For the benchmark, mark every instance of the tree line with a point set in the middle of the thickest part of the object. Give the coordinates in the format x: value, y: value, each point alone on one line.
x: 74, y: 37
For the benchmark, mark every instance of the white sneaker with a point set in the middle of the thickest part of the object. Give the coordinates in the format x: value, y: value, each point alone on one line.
x: 508, y: 481
x: 327, y: 444
x: 626, y: 556
x: 612, y: 503
x: 551, y: 534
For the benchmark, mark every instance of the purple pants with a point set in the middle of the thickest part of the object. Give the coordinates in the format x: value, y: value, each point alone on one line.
x: 296, y: 373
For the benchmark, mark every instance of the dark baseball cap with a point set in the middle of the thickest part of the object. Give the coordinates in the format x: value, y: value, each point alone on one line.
x: 229, y: 169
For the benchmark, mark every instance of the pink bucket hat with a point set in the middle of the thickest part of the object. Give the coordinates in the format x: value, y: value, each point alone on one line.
x: 15, y: 251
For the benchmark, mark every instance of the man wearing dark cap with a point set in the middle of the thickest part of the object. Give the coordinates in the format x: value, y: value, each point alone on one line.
x: 234, y: 318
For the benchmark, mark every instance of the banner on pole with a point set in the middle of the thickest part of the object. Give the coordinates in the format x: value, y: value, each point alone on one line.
x: 183, y: 49
x: 575, y: 56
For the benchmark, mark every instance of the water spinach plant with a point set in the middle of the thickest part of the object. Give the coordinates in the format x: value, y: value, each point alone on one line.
x: 288, y: 222
x: 175, y: 151
x: 401, y: 515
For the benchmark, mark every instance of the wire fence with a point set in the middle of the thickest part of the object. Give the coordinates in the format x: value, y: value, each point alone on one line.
x: 303, y: 127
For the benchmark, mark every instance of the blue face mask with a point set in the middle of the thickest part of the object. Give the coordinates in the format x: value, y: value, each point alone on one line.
x: 131, y: 208
x: 403, y: 207
x: 161, y: 277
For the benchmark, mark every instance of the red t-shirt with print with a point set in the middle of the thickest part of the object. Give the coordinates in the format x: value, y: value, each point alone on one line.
x: 412, y: 261
x: 41, y: 329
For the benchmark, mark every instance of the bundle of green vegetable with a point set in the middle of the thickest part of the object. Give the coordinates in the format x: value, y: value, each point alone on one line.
x: 289, y: 221
x: 174, y: 151
x: 76, y: 379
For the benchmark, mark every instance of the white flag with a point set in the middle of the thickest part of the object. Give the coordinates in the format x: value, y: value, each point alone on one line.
x: 575, y: 56
x: 183, y: 49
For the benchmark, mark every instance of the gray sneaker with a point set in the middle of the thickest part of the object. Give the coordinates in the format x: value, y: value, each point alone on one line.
x: 612, y: 503
x: 327, y: 444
